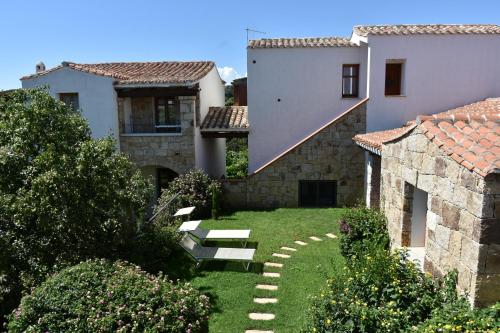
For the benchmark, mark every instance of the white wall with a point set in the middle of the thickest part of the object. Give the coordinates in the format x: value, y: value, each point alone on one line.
x: 308, y: 81
x: 418, y: 218
x: 441, y: 72
x: 210, y: 153
x: 96, y: 94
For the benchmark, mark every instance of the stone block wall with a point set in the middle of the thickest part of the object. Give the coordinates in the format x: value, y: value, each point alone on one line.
x: 463, y: 227
x: 328, y: 155
x: 169, y: 150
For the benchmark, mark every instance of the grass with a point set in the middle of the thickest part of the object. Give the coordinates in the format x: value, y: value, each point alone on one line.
x: 232, y: 289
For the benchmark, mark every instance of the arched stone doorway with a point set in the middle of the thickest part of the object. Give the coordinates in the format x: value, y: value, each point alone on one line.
x: 160, y: 176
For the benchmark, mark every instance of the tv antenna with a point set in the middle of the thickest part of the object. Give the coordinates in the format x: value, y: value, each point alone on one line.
x: 248, y: 30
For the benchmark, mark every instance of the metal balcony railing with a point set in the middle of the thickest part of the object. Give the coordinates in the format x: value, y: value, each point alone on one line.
x: 149, y: 127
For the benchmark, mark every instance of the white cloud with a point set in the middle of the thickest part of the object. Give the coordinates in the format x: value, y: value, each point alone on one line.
x: 228, y: 74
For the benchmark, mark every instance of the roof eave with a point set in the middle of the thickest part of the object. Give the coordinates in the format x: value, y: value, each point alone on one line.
x: 121, y: 85
x: 374, y: 150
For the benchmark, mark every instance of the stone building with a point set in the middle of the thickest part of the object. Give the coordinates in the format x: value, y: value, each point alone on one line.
x: 323, y: 169
x: 154, y: 110
x: 440, y: 192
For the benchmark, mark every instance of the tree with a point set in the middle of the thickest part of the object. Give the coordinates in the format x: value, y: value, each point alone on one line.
x: 64, y: 197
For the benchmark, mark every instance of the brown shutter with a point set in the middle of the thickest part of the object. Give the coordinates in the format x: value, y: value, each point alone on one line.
x: 393, y: 79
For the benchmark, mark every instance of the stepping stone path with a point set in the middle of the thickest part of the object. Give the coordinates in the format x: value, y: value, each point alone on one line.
x: 273, y: 264
x: 261, y: 316
x: 265, y: 300
x: 281, y: 255
x: 272, y: 287
x: 266, y: 287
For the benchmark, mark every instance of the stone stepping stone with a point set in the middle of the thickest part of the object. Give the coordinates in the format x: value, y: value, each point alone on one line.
x: 266, y: 287
x: 265, y: 300
x: 273, y: 264
x: 258, y: 331
x: 314, y: 238
x: 301, y: 243
x: 261, y: 316
x: 271, y: 274
x: 331, y: 235
x: 281, y: 255
x: 288, y: 248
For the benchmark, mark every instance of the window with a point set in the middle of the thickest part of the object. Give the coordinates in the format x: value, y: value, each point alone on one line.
x: 393, y: 79
x: 70, y: 99
x: 350, y: 80
x: 167, y: 115
x: 317, y: 193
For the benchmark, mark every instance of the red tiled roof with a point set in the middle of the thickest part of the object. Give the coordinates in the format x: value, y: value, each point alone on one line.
x: 427, y: 29
x: 167, y: 72
x: 469, y: 134
x: 374, y: 140
x: 226, y: 117
x: 300, y: 42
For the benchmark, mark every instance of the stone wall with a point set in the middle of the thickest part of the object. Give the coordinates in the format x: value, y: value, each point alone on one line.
x: 328, y: 155
x: 463, y: 228
x: 168, y: 150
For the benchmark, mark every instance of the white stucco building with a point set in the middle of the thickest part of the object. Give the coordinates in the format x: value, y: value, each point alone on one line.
x: 153, y: 109
x: 295, y: 84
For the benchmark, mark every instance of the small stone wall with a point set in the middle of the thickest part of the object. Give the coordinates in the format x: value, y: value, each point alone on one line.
x: 173, y: 151
x: 329, y: 155
x: 463, y: 227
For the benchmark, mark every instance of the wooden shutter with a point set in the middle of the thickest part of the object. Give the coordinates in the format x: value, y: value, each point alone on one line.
x: 393, y: 79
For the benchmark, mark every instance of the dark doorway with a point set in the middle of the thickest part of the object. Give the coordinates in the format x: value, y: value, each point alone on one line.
x: 317, y: 193
x: 163, y: 177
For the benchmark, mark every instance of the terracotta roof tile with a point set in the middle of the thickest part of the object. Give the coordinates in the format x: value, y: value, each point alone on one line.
x: 469, y: 134
x: 166, y: 72
x: 375, y: 140
x: 300, y: 42
x: 226, y: 117
x: 427, y: 29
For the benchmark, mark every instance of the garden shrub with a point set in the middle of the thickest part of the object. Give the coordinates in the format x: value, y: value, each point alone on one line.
x: 380, y: 292
x: 100, y: 296
x: 459, y: 317
x: 362, y: 229
x: 237, y: 159
x: 64, y: 197
x: 195, y: 188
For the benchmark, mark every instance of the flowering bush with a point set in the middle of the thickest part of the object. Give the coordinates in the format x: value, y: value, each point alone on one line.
x: 380, y: 292
x: 459, y: 317
x: 99, y: 296
x: 362, y: 229
x: 194, y: 188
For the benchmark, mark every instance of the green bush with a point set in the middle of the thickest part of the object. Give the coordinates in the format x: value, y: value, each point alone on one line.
x: 459, y: 317
x: 194, y: 188
x: 381, y: 292
x: 99, y: 296
x: 237, y: 164
x: 362, y: 229
x: 64, y: 197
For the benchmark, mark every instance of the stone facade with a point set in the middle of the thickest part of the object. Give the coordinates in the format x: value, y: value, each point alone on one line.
x: 169, y: 150
x: 328, y: 155
x: 463, y: 209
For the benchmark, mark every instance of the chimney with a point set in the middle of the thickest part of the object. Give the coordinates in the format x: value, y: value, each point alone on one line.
x: 40, y: 67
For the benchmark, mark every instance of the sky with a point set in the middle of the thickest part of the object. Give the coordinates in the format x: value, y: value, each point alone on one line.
x: 89, y: 31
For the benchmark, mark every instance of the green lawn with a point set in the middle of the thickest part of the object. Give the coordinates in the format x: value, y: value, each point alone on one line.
x: 232, y: 289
